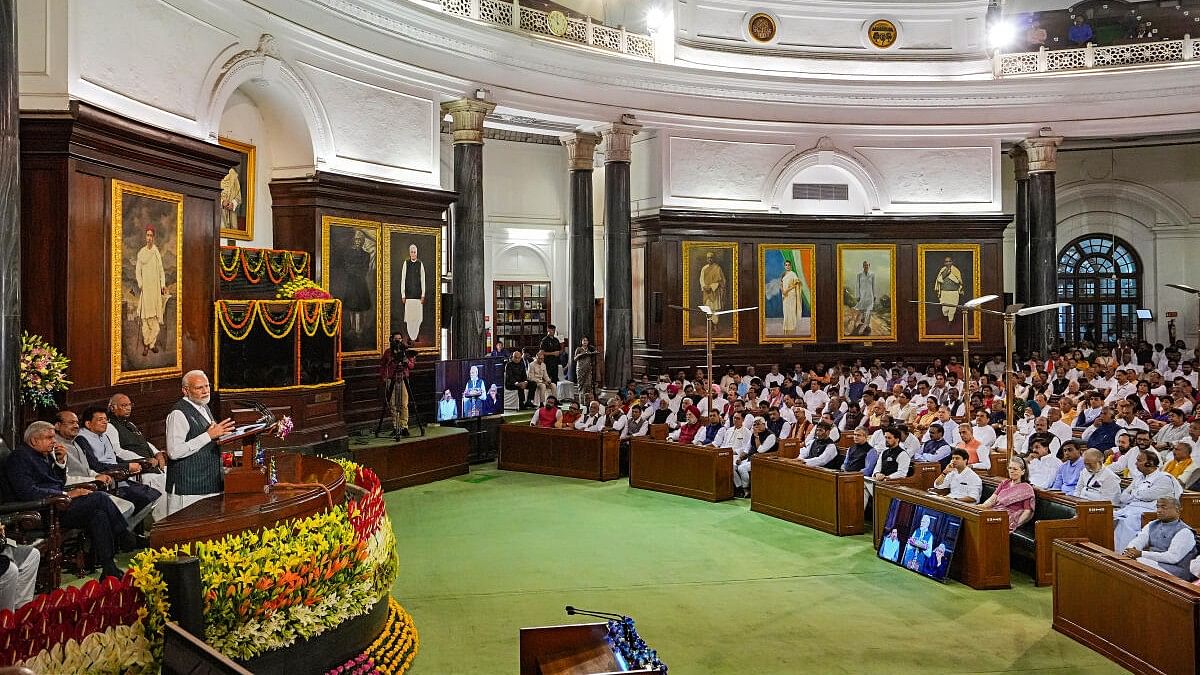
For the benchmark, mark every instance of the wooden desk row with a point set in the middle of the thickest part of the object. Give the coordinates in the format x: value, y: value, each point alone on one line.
x: 559, y: 452
x: 1146, y: 620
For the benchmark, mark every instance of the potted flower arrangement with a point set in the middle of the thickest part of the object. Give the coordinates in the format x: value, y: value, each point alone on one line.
x: 43, y: 372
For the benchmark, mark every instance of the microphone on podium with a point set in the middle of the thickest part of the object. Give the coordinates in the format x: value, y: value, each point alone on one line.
x: 572, y: 611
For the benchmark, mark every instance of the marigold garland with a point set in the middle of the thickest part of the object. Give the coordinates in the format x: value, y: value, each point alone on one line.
x: 278, y: 264
x: 325, y: 315
x: 392, y: 652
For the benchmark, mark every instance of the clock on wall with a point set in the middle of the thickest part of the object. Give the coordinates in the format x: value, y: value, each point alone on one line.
x: 557, y: 22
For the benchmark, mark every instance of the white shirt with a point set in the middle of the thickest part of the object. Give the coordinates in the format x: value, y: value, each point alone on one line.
x: 949, y: 432
x: 178, y: 447
x: 815, y: 401
x: 965, y: 483
x: 773, y: 378
x: 631, y: 423
x: 1136, y: 423
x: 902, y: 461
x: 824, y: 458
x: 1042, y: 471
x: 1150, y: 488
x: 114, y: 438
x: 1181, y: 544
x: 1102, y: 486
x: 590, y: 422
x: 986, y: 436
x: 1062, y: 430
x: 1120, y: 393
x: 736, y: 439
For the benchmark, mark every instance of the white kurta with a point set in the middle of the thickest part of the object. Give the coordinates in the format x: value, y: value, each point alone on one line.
x: 152, y: 281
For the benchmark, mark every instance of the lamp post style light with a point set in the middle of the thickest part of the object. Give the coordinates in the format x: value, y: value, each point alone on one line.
x: 710, y: 317
x: 965, y: 309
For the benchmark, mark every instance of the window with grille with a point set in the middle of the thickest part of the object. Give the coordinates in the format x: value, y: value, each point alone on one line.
x: 829, y: 192
x: 1102, y: 279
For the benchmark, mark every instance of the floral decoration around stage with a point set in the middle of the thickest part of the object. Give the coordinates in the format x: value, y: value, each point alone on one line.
x: 262, y: 590
x: 302, y: 288
x: 278, y: 317
x: 42, y: 370
x: 255, y: 263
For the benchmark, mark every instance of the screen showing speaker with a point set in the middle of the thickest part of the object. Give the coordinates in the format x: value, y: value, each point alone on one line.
x: 920, y: 539
x: 469, y: 388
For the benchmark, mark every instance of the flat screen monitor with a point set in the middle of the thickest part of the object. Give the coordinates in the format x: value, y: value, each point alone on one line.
x: 920, y: 539
x: 469, y: 388
x: 1145, y: 314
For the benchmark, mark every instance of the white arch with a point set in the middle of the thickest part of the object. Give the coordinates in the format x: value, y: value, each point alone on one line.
x: 541, y: 255
x: 230, y: 71
x: 1081, y: 197
x: 824, y: 154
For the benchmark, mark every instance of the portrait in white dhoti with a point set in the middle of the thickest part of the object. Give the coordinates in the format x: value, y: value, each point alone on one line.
x: 867, y: 292
x: 948, y: 276
x: 948, y: 288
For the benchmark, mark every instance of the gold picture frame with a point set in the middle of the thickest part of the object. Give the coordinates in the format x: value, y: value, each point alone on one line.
x: 425, y: 238
x: 343, y: 256
x: 772, y: 314
x: 140, y: 269
x: 961, y: 255
x: 725, y: 256
x: 876, y: 327
x: 247, y: 175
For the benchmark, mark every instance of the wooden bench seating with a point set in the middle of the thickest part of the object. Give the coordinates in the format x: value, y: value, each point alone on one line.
x: 702, y: 472
x: 559, y: 452
x: 830, y: 501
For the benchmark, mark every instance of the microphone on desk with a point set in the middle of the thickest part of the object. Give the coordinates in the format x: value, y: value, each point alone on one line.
x: 572, y: 611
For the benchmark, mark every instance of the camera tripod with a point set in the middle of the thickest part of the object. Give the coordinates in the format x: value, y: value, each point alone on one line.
x: 414, y: 413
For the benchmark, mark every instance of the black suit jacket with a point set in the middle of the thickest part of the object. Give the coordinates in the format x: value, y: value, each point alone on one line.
x: 34, y: 476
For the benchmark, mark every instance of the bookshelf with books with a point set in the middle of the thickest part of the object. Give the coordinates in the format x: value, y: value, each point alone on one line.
x: 521, y: 311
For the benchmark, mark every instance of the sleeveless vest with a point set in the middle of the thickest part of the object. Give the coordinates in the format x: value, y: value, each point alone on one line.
x: 199, y: 473
x: 1160, y: 538
x: 131, y: 437
x: 887, y: 460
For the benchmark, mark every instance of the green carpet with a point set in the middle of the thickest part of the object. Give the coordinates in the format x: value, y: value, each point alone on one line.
x: 714, y: 587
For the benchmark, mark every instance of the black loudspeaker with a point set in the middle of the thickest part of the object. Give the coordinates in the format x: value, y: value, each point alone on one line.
x: 447, y: 309
x: 656, y: 306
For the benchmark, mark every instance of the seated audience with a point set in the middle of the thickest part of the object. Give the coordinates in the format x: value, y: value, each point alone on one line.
x: 821, y: 451
x: 570, y: 416
x: 963, y: 483
x: 102, y: 455
x: 539, y: 379
x: 1043, y: 466
x: 79, y: 469
x: 1014, y: 495
x: 37, y: 469
x: 517, y: 381
x: 936, y: 449
x: 1097, y: 482
x: 690, y: 429
x: 18, y: 572
x: 1182, y: 466
x: 1067, y: 475
x: 1141, y: 497
x: 1165, y: 543
x: 761, y: 440
x: 547, y: 415
x: 638, y: 423
x: 858, y: 453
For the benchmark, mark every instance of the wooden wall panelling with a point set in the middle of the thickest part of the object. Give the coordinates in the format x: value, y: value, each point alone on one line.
x: 299, y: 204
x: 663, y: 234
x: 68, y: 162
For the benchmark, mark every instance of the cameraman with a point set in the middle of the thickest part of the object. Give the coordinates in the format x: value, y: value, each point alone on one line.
x: 397, y: 363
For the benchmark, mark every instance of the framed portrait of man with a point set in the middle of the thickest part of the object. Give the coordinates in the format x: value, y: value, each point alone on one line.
x: 787, y: 293
x: 866, y: 278
x: 147, y: 283
x: 351, y: 272
x: 237, y: 193
x: 412, y: 284
x: 948, y: 274
x: 710, y: 278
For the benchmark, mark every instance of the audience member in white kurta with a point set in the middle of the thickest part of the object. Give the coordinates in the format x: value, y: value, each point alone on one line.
x: 1097, y: 482
x: 821, y: 449
x: 592, y: 420
x: 963, y: 483
x: 19, y: 574
x: 615, y: 419
x: 1043, y: 466
x: 66, y: 428
x: 1166, y: 543
x: 637, y: 423
x: 761, y: 440
x: 949, y: 426
x: 1141, y: 497
x: 538, y: 375
x: 1056, y: 426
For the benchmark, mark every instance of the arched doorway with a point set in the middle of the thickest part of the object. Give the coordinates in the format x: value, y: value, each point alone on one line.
x: 1101, y: 276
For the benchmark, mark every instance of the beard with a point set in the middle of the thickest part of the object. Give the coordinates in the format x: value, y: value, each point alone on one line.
x: 201, y: 400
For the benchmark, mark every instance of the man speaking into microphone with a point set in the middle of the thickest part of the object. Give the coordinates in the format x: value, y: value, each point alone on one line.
x: 194, y: 471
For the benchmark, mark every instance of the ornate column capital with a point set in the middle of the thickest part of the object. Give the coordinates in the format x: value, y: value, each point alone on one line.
x: 466, y: 119
x: 1020, y: 160
x: 581, y: 147
x: 618, y: 138
x: 1042, y: 151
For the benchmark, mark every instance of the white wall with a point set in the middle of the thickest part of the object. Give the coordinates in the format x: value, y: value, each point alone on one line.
x: 243, y: 122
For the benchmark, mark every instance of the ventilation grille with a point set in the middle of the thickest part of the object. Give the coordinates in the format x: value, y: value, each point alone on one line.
x: 837, y: 192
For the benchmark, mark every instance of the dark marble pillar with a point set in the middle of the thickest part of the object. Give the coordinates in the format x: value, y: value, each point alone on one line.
x: 581, y: 147
x: 1043, y: 241
x: 618, y: 275
x: 467, y: 251
x: 10, y: 225
x: 1021, y: 236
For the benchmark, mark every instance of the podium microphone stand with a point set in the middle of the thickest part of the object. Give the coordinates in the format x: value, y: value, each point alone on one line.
x: 243, y: 477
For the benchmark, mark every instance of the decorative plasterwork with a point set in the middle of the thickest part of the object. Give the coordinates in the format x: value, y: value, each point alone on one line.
x: 1042, y: 151
x: 1115, y: 196
x: 581, y: 150
x: 618, y: 137
x: 824, y: 153
x: 466, y: 119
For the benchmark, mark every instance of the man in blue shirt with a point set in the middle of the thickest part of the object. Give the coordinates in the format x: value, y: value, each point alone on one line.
x: 1102, y: 435
x: 1080, y: 33
x: 1072, y: 464
x: 936, y: 449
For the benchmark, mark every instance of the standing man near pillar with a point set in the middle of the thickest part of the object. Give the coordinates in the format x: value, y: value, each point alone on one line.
x: 466, y: 124
x: 10, y: 225
x: 1021, y: 235
x: 581, y: 147
x: 618, y: 277
x: 1043, y: 246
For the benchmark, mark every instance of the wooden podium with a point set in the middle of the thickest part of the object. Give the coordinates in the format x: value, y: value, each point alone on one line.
x: 574, y: 649
x: 243, y: 477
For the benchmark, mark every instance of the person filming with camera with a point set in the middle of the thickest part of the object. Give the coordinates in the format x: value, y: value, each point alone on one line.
x: 395, y: 367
